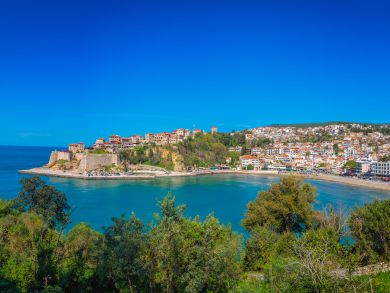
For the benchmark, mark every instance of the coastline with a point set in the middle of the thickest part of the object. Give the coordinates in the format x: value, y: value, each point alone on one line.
x: 330, y: 178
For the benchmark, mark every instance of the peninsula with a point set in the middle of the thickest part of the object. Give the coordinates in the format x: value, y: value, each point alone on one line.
x: 352, y: 153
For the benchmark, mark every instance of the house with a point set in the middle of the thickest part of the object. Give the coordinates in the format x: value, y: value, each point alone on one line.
x: 115, y: 139
x: 250, y: 160
x: 76, y: 147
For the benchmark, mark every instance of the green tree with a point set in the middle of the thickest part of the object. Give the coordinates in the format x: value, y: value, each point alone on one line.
x: 43, y: 199
x: 370, y: 227
x: 351, y: 165
x: 263, y: 245
x: 193, y: 256
x: 250, y: 167
x: 6, y: 207
x: 336, y: 149
x: 204, y: 150
x: 121, y: 264
x: 286, y: 206
x: 310, y: 265
x: 29, y: 251
x: 385, y: 158
x: 81, y: 251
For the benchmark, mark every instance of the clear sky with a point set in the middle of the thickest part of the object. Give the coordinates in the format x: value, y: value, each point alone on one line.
x: 76, y: 70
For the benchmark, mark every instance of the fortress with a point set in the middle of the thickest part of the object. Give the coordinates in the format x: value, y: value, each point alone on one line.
x: 85, y: 161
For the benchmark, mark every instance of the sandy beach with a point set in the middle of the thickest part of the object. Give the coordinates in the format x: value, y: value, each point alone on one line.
x: 151, y: 175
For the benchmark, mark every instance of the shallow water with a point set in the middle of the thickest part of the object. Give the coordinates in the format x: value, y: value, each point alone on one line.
x: 96, y: 201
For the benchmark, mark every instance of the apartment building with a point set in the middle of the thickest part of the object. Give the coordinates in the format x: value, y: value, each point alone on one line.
x: 250, y: 160
x: 381, y: 168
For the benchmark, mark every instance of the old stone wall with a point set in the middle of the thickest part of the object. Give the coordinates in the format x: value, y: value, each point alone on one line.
x: 95, y: 161
x: 59, y: 155
x: 87, y: 161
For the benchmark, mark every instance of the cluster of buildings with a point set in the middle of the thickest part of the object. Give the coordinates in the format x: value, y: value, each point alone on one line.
x: 116, y: 142
x: 292, y: 149
x: 319, y: 148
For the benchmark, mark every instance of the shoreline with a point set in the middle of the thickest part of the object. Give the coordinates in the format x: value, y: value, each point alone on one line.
x: 323, y: 177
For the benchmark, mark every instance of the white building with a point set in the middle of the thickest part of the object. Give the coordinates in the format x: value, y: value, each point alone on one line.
x: 381, y: 168
x: 250, y: 160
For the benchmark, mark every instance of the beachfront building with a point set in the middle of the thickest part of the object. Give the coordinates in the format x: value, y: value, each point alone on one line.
x: 250, y: 160
x: 363, y: 167
x: 381, y: 169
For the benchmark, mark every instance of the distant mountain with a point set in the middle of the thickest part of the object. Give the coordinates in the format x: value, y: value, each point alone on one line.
x: 316, y: 124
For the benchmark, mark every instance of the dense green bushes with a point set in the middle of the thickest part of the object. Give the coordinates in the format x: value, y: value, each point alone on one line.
x: 290, y: 247
x: 202, y: 151
x: 148, y: 155
x: 174, y: 254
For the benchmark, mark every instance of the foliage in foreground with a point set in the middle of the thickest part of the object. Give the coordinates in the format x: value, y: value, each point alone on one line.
x: 290, y: 247
x: 173, y: 254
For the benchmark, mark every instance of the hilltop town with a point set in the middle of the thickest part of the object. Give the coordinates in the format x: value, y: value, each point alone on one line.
x: 330, y: 148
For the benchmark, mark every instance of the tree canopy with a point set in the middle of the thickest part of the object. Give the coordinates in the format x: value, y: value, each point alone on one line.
x: 44, y: 200
x: 370, y: 227
x: 289, y: 248
x: 286, y: 206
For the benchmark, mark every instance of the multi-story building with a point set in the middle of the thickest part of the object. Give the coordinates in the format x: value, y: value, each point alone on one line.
x: 381, y: 168
x: 214, y: 129
x: 250, y: 160
x: 136, y: 139
x: 115, y: 139
x: 76, y: 147
x: 363, y: 167
x: 149, y: 137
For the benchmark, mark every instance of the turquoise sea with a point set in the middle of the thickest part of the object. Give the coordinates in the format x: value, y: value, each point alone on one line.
x: 96, y: 201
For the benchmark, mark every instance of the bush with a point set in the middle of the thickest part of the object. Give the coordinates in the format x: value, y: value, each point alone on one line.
x: 370, y: 227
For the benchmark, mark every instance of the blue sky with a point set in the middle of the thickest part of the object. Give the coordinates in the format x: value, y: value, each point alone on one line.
x: 76, y: 70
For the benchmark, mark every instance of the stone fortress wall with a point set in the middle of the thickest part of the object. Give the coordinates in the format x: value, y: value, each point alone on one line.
x: 94, y: 161
x: 59, y: 155
x: 88, y: 162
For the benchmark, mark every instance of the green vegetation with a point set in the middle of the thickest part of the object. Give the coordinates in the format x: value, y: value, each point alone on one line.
x: 336, y: 149
x: 286, y: 207
x: 261, y: 142
x: 370, y: 226
x: 351, y: 165
x: 299, y: 250
x: 250, y: 167
x: 44, y: 200
x: 370, y: 128
x: 385, y: 158
x: 290, y: 248
x: 320, y: 136
x: 99, y: 152
x: 204, y: 150
x: 230, y: 139
x: 147, y: 155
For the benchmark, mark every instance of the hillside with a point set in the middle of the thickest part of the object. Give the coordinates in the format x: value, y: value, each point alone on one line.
x: 318, y: 124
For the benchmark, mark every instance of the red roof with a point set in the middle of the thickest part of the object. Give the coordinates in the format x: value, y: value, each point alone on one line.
x: 248, y: 157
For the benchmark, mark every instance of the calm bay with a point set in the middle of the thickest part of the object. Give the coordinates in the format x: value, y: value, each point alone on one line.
x: 97, y: 201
